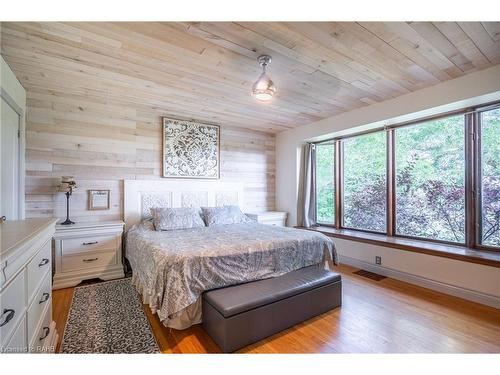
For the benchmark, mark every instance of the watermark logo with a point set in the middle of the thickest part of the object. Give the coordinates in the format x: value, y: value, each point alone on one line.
x: 28, y: 349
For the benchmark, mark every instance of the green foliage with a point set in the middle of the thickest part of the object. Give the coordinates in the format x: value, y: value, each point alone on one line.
x: 364, y: 182
x: 430, y: 185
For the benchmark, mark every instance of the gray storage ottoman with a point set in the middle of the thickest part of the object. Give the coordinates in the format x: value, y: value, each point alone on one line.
x: 239, y: 315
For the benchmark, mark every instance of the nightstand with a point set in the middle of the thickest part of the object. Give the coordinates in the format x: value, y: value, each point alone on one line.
x: 85, y: 251
x: 269, y: 217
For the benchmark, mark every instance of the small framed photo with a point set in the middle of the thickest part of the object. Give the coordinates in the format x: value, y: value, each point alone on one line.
x: 98, y: 200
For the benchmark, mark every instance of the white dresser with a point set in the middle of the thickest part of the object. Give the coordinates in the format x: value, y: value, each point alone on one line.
x: 85, y: 251
x: 269, y: 217
x: 26, y: 323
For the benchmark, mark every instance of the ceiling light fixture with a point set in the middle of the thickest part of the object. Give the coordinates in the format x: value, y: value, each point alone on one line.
x: 263, y: 89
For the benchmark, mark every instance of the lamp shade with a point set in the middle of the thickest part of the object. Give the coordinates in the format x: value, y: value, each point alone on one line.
x: 264, y: 89
x: 67, y: 184
x: 67, y: 179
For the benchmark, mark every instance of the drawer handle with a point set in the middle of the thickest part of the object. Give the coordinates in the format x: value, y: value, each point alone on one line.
x: 45, y: 297
x: 10, y: 314
x: 90, y: 243
x: 47, y: 331
x: 43, y: 262
x: 90, y: 260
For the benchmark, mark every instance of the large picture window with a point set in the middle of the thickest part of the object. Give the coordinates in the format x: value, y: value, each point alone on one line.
x: 436, y: 179
x: 430, y: 180
x: 325, y: 186
x: 490, y: 177
x: 364, y: 182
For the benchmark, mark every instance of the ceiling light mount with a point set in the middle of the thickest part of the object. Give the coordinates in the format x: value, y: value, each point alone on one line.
x: 264, y: 89
x: 264, y: 61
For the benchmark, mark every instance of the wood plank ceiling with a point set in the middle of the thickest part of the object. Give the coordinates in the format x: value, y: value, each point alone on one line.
x: 205, y: 70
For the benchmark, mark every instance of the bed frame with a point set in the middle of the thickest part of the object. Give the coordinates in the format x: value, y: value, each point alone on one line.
x: 141, y: 195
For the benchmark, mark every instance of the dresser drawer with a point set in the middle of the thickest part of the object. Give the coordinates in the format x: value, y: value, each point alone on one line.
x: 17, y: 343
x: 38, y: 268
x: 43, y: 330
x: 90, y: 243
x: 88, y: 260
x: 12, y: 307
x: 42, y: 298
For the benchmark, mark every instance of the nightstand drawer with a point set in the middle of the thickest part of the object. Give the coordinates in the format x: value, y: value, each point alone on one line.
x: 269, y: 218
x: 90, y: 243
x: 278, y: 222
x: 88, y: 260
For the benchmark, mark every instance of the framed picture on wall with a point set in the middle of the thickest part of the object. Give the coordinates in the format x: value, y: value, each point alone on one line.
x: 190, y: 149
x: 98, y: 200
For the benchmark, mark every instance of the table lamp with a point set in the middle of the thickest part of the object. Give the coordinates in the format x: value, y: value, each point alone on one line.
x: 67, y: 186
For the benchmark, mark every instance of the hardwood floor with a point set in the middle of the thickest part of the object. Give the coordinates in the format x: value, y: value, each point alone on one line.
x: 387, y: 316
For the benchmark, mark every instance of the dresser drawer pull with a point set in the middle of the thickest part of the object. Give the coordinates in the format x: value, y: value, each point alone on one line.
x: 43, y: 262
x: 47, y: 331
x: 10, y: 314
x: 90, y: 243
x: 45, y: 297
x: 90, y: 260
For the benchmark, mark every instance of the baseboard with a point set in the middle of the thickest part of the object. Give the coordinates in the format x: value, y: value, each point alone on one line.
x: 70, y: 279
x: 471, y: 295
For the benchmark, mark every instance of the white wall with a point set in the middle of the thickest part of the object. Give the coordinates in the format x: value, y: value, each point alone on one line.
x: 471, y: 281
x: 468, y: 280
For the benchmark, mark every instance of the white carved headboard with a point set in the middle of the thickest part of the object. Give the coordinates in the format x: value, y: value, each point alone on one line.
x: 141, y: 195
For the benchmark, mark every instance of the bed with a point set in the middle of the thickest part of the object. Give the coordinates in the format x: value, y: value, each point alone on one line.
x: 171, y: 269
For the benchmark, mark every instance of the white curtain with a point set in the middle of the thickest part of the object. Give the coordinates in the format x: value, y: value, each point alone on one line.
x: 307, y: 193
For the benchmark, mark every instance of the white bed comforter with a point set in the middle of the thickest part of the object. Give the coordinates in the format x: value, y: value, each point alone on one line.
x: 172, y: 269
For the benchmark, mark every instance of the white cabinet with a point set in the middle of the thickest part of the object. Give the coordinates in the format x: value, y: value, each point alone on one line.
x: 26, y: 323
x: 269, y: 217
x: 86, y: 251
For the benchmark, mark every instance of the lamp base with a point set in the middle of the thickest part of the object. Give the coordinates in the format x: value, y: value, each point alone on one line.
x: 67, y: 222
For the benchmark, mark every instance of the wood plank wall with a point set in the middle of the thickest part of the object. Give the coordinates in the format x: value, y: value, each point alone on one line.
x: 103, y: 143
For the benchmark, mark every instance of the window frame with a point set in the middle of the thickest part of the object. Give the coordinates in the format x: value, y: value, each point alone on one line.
x: 477, y: 183
x: 323, y: 223
x: 473, y: 188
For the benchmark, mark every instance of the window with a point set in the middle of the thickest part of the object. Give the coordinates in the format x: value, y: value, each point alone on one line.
x: 437, y: 179
x: 364, y: 182
x: 430, y: 180
x: 325, y: 187
x: 490, y: 178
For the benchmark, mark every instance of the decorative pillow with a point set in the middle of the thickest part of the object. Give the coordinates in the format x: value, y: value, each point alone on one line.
x: 166, y: 218
x: 224, y: 215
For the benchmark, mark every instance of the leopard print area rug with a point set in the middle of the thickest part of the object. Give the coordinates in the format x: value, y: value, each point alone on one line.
x: 108, y: 318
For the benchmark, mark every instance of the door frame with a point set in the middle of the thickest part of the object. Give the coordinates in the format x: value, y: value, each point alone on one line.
x: 15, y: 96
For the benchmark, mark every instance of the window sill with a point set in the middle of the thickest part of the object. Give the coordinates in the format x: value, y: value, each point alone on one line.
x: 489, y: 258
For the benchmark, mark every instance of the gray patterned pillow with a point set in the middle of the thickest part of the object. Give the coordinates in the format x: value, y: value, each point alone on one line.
x: 166, y: 218
x: 224, y: 215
